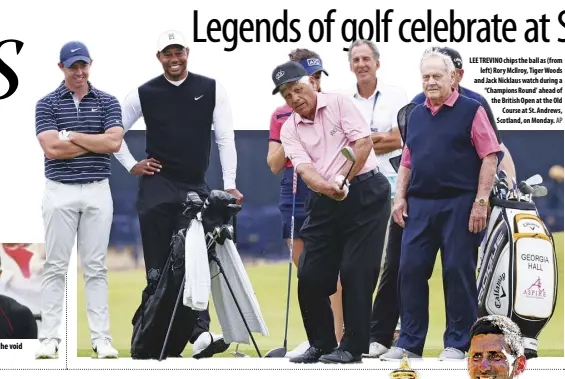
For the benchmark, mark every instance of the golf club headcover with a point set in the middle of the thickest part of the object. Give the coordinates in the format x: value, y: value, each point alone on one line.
x: 192, y: 205
x: 218, y: 209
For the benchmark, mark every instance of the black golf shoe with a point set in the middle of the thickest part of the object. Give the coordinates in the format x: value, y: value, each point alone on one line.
x: 340, y: 356
x: 312, y: 355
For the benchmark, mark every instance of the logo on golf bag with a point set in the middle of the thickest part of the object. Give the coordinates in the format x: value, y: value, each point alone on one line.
x: 531, y: 225
x: 535, y: 291
x: 499, y: 292
x: 487, y: 273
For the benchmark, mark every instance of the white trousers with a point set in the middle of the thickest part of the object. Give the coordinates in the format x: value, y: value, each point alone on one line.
x: 84, y: 212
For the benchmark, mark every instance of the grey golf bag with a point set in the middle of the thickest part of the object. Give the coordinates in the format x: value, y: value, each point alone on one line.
x: 517, y: 270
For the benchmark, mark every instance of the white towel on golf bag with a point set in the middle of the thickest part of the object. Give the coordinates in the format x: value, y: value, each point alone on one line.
x: 233, y: 328
x: 197, y: 284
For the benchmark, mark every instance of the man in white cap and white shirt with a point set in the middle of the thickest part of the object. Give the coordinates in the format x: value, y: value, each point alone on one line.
x: 179, y: 108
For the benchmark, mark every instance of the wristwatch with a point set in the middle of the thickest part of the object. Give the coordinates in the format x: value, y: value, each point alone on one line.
x: 64, y: 135
x: 481, y: 201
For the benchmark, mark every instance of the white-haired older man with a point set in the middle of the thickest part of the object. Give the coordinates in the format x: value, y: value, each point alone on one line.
x: 343, y: 224
x: 449, y: 159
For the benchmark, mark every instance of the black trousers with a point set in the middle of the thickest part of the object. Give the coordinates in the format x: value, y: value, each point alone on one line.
x: 342, y: 238
x: 385, y: 307
x: 159, y: 207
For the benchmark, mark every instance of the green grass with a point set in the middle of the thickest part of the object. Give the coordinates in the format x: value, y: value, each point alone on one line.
x: 269, y: 283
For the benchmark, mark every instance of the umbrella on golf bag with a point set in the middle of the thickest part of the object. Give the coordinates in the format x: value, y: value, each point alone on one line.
x: 151, y: 320
x: 402, y: 119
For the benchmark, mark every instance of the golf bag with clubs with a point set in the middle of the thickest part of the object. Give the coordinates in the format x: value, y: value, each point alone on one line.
x: 152, y: 320
x: 517, y: 270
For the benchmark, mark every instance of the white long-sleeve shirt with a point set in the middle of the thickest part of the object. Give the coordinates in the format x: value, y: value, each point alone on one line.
x: 222, y: 125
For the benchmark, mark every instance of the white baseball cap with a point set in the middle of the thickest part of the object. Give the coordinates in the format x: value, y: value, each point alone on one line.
x: 171, y: 37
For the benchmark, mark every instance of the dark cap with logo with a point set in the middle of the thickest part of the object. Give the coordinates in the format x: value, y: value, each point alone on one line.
x: 313, y: 65
x: 72, y: 52
x: 286, y: 73
x: 454, y: 55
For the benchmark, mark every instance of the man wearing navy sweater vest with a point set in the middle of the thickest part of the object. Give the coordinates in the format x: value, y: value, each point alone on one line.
x: 179, y: 108
x: 447, y: 172
x: 383, y: 323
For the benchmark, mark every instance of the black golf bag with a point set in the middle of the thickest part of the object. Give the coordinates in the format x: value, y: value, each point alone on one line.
x: 152, y: 318
x: 517, y: 270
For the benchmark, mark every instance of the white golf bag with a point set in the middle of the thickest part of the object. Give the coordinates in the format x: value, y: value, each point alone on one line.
x: 517, y: 266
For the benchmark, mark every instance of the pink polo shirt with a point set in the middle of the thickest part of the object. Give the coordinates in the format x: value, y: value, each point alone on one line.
x: 278, y: 118
x: 482, y: 132
x: 337, y: 123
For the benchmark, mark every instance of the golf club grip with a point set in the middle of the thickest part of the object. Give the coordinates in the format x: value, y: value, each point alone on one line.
x: 346, y: 176
x: 294, y: 182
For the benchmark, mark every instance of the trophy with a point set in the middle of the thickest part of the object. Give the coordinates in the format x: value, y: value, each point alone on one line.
x: 404, y: 372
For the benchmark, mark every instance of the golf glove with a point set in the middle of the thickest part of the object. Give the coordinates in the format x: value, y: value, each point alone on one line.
x: 339, y: 181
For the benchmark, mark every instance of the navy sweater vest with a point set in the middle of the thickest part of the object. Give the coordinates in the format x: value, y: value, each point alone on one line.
x: 179, y: 123
x: 443, y: 159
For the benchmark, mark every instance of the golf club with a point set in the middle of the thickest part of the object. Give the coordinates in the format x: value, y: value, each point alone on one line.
x: 280, y: 352
x: 350, y: 156
x: 539, y: 191
x: 534, y: 180
x: 239, y: 354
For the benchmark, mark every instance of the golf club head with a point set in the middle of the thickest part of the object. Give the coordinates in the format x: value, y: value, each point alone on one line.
x: 534, y: 180
x: 239, y: 354
x: 347, y: 151
x: 525, y: 188
x: 539, y: 191
x: 279, y: 352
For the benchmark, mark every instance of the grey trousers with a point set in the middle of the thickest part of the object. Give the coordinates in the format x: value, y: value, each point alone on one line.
x: 83, y: 212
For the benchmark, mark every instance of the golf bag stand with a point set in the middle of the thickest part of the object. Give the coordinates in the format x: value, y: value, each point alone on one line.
x: 217, y: 211
x: 518, y: 269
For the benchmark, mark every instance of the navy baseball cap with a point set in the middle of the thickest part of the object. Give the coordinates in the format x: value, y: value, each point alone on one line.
x: 286, y: 73
x: 454, y: 55
x: 72, y: 52
x: 313, y: 65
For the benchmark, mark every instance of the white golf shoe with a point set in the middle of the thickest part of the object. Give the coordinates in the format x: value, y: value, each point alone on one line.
x: 208, y: 344
x: 397, y: 353
x: 451, y: 354
x: 104, y: 349
x: 48, y: 349
x: 376, y: 350
x: 299, y: 350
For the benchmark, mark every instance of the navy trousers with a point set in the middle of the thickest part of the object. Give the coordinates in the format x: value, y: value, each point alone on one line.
x: 432, y: 225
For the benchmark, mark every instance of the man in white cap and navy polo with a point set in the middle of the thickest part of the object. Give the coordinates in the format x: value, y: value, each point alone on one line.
x: 179, y: 108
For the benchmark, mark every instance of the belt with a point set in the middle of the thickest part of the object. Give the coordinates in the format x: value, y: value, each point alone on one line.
x: 365, y: 176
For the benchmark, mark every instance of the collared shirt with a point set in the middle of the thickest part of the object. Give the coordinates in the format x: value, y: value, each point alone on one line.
x: 97, y: 112
x: 222, y: 125
x: 337, y: 123
x: 482, y: 134
x: 382, y: 115
x: 421, y: 97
